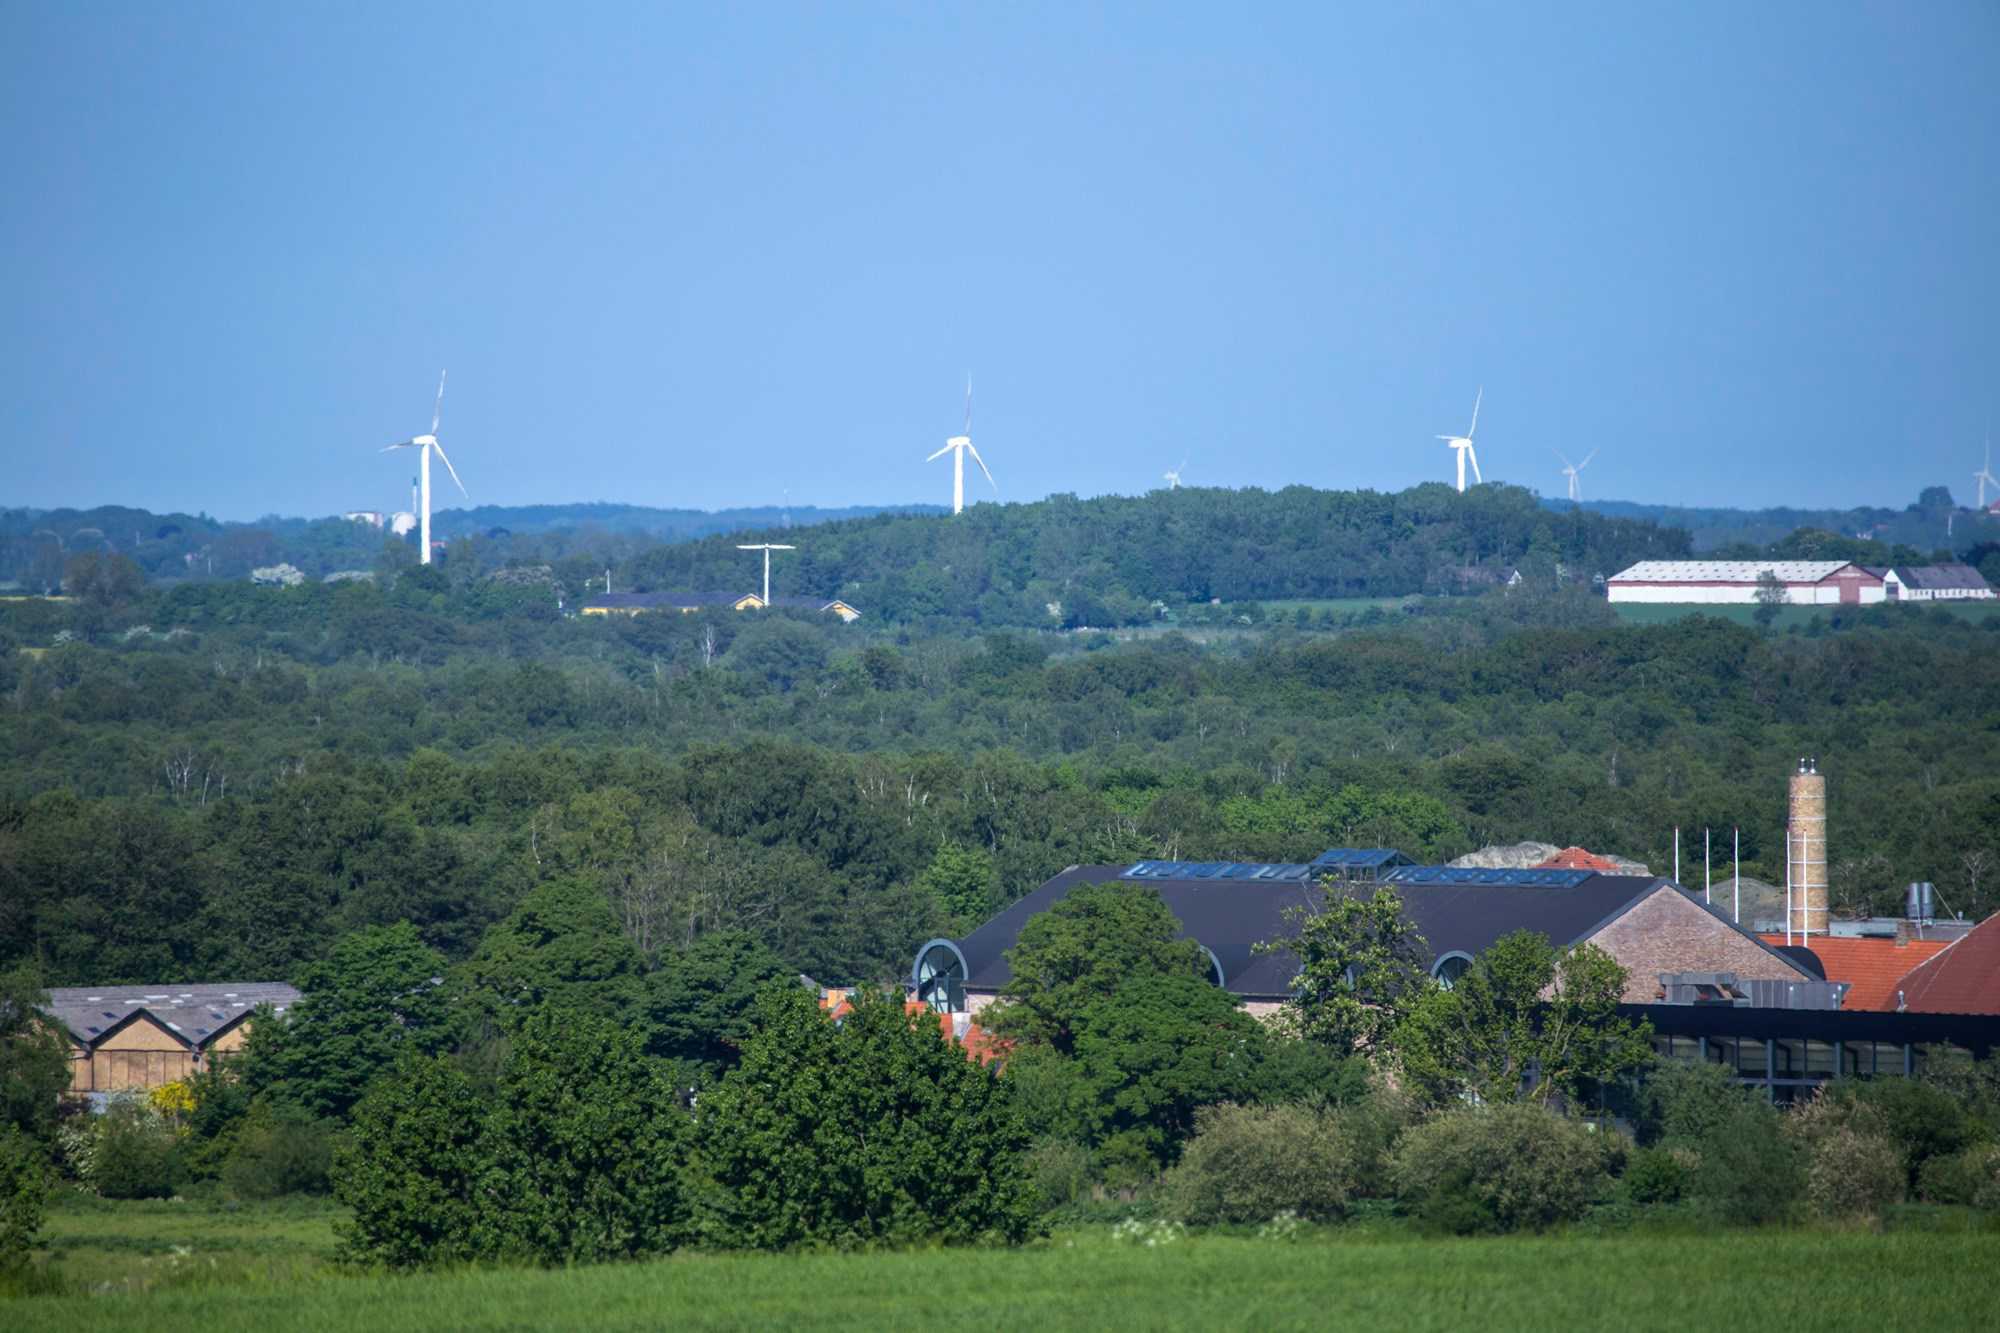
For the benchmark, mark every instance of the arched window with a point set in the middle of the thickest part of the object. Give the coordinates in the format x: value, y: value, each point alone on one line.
x: 939, y: 975
x: 1215, y: 966
x: 1450, y: 968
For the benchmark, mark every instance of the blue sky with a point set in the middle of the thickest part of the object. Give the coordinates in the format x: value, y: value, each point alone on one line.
x: 698, y: 256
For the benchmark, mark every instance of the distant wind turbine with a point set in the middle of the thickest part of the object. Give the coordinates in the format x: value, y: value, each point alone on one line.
x: 767, y: 548
x: 1571, y: 469
x: 1463, y: 444
x: 958, y: 446
x: 424, y: 445
x: 1173, y: 477
x: 1985, y: 475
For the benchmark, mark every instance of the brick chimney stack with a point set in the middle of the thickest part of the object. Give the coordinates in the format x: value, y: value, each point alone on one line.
x: 1808, y: 849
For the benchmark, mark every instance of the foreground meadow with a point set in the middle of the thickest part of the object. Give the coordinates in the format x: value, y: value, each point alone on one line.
x: 149, y: 1267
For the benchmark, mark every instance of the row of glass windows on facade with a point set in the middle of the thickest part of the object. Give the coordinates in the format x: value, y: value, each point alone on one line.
x: 1791, y: 1067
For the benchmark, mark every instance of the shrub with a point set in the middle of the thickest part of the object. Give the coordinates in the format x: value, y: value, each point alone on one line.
x: 136, y: 1154
x: 1745, y: 1169
x: 1851, y: 1174
x: 1922, y: 1121
x: 1060, y: 1171
x: 1971, y: 1177
x: 1659, y: 1175
x: 24, y: 1194
x: 278, y: 1152
x: 1250, y: 1163
x: 1501, y: 1168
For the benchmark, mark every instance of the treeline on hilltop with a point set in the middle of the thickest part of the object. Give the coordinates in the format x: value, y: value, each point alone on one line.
x: 1056, y: 562
x: 1119, y: 560
x: 214, y: 790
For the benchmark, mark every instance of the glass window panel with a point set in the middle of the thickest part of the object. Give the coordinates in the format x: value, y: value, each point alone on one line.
x: 1819, y: 1057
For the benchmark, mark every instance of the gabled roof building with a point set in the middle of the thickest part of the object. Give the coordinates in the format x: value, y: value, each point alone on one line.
x: 1722, y: 582
x: 1648, y: 923
x: 131, y: 1038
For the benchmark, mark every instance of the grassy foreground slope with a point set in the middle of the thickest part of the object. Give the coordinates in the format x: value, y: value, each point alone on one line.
x: 1848, y: 1280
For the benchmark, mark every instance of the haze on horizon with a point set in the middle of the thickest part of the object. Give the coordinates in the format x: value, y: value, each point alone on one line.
x: 697, y: 258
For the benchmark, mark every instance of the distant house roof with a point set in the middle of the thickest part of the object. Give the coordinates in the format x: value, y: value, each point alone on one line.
x: 1577, y: 858
x: 1729, y: 571
x: 193, y: 1012
x: 1871, y: 966
x: 1961, y: 978
x: 1942, y: 577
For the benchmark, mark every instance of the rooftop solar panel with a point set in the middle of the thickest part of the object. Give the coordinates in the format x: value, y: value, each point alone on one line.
x: 1552, y: 879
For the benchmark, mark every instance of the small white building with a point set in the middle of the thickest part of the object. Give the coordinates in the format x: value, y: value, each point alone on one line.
x: 1735, y: 582
x: 1937, y: 583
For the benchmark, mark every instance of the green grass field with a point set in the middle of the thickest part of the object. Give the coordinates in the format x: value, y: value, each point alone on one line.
x: 271, y: 1271
x: 1789, y: 617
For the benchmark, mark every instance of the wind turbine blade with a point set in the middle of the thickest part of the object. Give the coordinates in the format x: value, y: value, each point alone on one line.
x: 449, y: 468
x: 1449, y: 439
x: 1475, y: 412
x: 437, y: 412
x: 1473, y: 454
x: 968, y: 403
x: 1559, y: 454
x: 400, y: 444
x: 982, y: 466
x: 1586, y: 462
x: 939, y: 454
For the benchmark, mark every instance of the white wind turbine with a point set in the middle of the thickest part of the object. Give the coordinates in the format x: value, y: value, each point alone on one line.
x: 958, y: 446
x: 767, y: 548
x: 1173, y: 477
x: 424, y: 444
x: 1463, y: 444
x: 1571, y: 469
x: 1985, y: 475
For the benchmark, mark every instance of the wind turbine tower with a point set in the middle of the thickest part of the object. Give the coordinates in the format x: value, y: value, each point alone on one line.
x: 958, y: 446
x: 1985, y: 475
x: 767, y: 548
x: 1463, y: 444
x: 1571, y: 469
x: 424, y: 445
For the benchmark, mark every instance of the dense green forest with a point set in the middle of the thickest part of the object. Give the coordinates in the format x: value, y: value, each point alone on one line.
x: 217, y: 778
x: 1933, y: 521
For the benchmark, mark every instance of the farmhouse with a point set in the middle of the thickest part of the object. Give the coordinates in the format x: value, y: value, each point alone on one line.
x: 131, y: 1038
x: 1936, y: 583
x: 1654, y: 928
x: 1735, y: 582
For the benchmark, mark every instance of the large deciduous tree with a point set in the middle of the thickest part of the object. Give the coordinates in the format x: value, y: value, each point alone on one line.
x: 1081, y: 951
x: 374, y: 996
x: 1525, y: 1021
x: 1361, y: 967
x: 874, y: 1129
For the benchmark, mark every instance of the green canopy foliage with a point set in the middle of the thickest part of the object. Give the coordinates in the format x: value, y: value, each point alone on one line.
x: 872, y: 1130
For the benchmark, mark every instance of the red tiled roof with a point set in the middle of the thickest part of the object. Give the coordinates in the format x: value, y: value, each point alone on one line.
x: 1577, y: 858
x: 1870, y: 967
x: 1961, y: 979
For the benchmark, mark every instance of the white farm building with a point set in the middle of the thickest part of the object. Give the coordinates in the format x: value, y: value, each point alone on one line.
x: 1807, y: 582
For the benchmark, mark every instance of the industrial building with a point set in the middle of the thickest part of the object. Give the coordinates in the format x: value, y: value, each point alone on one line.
x: 1736, y: 582
x: 1652, y: 926
x: 132, y: 1038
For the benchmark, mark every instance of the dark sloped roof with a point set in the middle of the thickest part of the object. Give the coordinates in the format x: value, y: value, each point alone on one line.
x: 194, y: 1012
x: 1231, y: 917
x: 807, y: 603
x: 1942, y: 577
